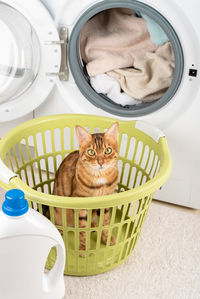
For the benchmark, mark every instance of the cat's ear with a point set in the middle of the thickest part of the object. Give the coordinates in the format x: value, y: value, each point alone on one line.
x: 83, y: 136
x: 112, y: 132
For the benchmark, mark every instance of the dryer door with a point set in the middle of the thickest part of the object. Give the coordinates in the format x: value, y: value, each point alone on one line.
x: 28, y: 57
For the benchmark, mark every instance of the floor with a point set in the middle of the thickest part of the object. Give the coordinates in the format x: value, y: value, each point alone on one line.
x: 164, y: 265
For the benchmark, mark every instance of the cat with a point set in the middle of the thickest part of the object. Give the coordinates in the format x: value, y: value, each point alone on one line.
x: 90, y: 171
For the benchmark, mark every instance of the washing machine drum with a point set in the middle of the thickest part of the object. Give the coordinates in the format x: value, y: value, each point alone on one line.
x: 89, y: 32
x: 30, y: 56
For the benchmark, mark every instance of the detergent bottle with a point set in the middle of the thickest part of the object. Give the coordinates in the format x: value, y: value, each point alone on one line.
x: 26, y: 238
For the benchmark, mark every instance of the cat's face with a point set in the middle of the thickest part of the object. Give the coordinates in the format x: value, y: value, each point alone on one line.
x: 98, y: 151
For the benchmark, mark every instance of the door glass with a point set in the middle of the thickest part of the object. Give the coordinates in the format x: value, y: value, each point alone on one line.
x: 19, y: 53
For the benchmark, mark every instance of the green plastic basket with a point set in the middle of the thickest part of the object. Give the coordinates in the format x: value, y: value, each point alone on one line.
x: 31, y: 153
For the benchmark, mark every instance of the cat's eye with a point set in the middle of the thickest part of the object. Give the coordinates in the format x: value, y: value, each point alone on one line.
x: 108, y: 150
x: 91, y: 152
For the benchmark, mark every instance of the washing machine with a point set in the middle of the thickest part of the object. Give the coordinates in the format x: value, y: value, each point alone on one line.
x: 41, y: 73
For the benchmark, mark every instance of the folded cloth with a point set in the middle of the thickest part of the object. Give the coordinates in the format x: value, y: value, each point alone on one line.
x: 110, y: 87
x: 158, y: 35
x: 112, y: 39
x: 151, y: 76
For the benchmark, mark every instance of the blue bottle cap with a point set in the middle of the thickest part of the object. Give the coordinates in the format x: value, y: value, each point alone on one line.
x: 15, y: 203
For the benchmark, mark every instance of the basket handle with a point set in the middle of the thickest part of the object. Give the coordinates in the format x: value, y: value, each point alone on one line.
x: 150, y: 130
x: 5, y: 175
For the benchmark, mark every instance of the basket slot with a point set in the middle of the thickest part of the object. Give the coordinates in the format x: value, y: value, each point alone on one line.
x: 38, y: 175
x: 30, y: 148
x: 75, y: 141
x: 126, y: 174
x: 39, y: 189
x: 129, y: 178
x: 141, y: 207
x: 21, y: 158
x: 123, y: 145
x: 76, y: 225
x: 123, y: 213
x: 58, y: 161
x: 57, y: 139
x: 43, y: 169
x: 39, y: 141
x: 52, y: 185
x: 135, y: 179
x: 132, y: 143
x: 46, y: 188
x: 99, y: 232
x: 30, y: 174
x: 51, y: 211
x: 154, y: 166
x: 34, y: 205
x: 31, y: 141
x: 28, y: 155
x: 123, y: 252
x: 143, y: 214
x: 139, y: 179
x: 150, y: 162
x: 132, y: 178
x: 13, y: 160
x: 133, y: 242
x: 22, y: 175
x: 40, y: 208
x: 24, y: 148
x: 48, y: 175
x: 69, y: 237
x: 111, y: 222
x: 48, y: 141
x: 67, y: 139
x: 144, y: 179
x: 18, y: 155
x: 138, y: 155
x: 145, y: 156
x: 123, y: 172
x: 120, y: 166
x: 62, y: 143
x: 35, y: 173
x: 51, y: 164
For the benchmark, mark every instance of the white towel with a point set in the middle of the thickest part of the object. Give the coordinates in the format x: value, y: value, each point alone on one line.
x: 110, y: 87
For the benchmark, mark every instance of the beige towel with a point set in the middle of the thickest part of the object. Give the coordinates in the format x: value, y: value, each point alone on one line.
x: 112, y: 39
x: 151, y: 76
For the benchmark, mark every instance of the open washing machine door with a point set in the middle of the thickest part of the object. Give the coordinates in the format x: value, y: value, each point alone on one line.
x: 28, y: 57
x: 182, y: 32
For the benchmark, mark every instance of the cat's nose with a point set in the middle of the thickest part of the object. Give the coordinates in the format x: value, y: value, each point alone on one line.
x: 100, y: 161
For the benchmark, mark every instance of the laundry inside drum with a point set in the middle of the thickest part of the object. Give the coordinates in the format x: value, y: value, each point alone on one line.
x: 127, y: 57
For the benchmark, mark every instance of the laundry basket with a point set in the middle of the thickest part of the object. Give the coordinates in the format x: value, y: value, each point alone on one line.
x: 31, y: 153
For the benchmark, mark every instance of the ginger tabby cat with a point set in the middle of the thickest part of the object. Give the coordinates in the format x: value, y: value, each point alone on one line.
x: 91, y: 171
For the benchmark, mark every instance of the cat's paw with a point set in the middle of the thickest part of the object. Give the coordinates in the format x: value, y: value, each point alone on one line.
x: 93, y: 224
x: 82, y: 255
x: 112, y: 241
x: 82, y: 248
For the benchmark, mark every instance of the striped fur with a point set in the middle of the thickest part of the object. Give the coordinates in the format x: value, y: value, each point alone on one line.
x: 83, y: 175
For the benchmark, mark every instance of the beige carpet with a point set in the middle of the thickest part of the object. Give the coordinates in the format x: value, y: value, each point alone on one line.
x: 164, y: 265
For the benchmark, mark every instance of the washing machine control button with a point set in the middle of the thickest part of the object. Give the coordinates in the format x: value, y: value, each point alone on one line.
x: 192, y: 72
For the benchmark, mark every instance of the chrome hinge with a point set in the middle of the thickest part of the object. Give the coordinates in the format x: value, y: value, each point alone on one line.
x: 64, y: 71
